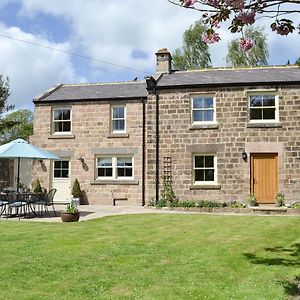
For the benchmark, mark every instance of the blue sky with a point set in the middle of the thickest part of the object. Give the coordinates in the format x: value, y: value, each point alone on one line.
x: 124, y: 33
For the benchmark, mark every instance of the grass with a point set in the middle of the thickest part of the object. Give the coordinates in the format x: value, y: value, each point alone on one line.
x: 152, y: 257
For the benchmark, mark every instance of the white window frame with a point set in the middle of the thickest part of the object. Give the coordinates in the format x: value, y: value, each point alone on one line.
x: 69, y: 169
x: 53, y: 121
x: 264, y: 93
x: 215, y: 169
x: 213, y: 96
x: 114, y: 168
x: 112, y: 118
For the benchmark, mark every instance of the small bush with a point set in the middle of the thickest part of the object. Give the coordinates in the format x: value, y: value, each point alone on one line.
x: 76, y: 190
x: 209, y: 204
x: 187, y: 204
x: 236, y: 204
x: 295, y: 205
x: 36, y: 186
x: 279, y: 199
x: 252, y: 200
x: 161, y: 203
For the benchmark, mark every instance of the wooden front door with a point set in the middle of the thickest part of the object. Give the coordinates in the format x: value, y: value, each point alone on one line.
x: 264, y: 176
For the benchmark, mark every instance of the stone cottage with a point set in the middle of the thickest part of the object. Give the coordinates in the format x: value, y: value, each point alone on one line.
x: 219, y: 134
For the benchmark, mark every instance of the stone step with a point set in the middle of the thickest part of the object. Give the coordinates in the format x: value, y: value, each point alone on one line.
x: 269, y: 209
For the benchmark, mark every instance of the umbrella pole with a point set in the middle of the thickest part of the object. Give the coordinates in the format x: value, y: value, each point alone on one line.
x: 18, y: 176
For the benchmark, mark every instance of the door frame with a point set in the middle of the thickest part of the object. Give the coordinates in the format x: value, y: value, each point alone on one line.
x: 252, y: 155
x: 69, y: 178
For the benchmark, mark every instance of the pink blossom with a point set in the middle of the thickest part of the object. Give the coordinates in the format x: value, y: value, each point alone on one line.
x: 214, y: 3
x: 210, y: 38
x: 238, y: 4
x: 247, y: 17
x: 188, y: 3
x: 246, y: 44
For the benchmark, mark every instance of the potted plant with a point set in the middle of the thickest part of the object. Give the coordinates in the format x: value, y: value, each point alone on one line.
x: 70, y: 214
x: 76, y: 192
x: 36, y: 186
x: 279, y: 199
x: 252, y: 200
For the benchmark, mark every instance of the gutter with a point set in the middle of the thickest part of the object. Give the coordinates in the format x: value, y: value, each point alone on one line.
x: 229, y: 85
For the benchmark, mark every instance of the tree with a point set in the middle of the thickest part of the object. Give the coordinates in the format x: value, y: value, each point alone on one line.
x: 194, y: 52
x: 242, y: 13
x: 4, y: 107
x: 22, y: 127
x: 256, y: 56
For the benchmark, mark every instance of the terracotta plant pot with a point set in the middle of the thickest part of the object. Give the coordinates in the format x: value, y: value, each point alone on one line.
x: 69, y: 217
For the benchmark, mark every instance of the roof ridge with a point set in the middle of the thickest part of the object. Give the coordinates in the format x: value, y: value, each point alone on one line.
x: 240, y: 68
x: 103, y: 83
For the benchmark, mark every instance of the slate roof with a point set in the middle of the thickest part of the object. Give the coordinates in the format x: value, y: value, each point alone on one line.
x: 231, y: 77
x: 100, y: 91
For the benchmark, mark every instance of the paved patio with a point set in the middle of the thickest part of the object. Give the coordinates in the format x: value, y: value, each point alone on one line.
x: 89, y: 212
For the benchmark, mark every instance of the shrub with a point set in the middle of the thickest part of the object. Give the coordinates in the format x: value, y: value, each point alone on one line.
x: 295, y: 205
x: 236, y: 204
x: 76, y: 190
x: 161, y: 203
x: 209, y: 204
x: 186, y: 204
x: 279, y: 199
x: 36, y: 186
x: 252, y: 200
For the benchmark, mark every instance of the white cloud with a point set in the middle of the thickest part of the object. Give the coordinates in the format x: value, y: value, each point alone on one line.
x: 109, y: 31
x: 32, y: 69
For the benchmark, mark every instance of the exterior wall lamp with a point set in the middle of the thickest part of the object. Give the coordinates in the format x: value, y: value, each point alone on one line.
x: 244, y: 155
x: 81, y: 159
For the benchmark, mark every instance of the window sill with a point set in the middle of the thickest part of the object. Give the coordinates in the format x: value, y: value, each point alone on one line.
x: 205, y: 187
x: 118, y: 135
x: 115, y: 182
x: 61, y: 136
x: 204, y: 126
x: 265, y: 125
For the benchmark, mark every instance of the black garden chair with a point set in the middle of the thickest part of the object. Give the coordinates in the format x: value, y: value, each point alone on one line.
x: 46, y: 201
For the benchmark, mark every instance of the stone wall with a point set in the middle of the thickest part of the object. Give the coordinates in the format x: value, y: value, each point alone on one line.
x: 179, y: 140
x: 91, y: 135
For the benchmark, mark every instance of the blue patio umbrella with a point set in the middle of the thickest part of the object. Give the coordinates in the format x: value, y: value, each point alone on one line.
x: 20, y: 148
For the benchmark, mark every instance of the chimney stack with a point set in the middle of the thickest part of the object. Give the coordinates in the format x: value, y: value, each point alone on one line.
x: 163, y: 61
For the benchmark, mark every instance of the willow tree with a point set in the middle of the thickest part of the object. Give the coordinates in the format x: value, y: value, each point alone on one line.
x: 256, y: 56
x: 194, y: 53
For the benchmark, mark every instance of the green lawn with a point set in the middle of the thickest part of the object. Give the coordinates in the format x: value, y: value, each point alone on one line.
x: 151, y: 257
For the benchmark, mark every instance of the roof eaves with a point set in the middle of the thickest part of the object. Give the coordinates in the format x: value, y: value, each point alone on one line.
x: 91, y: 99
x: 207, y: 85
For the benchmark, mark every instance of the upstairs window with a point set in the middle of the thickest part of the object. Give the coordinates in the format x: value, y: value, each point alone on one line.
x: 61, y: 120
x: 263, y: 108
x: 203, y: 109
x: 118, y: 119
x: 205, y: 168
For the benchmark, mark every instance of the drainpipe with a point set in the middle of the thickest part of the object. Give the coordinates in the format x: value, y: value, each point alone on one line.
x: 143, y: 151
x: 157, y: 147
x: 152, y: 89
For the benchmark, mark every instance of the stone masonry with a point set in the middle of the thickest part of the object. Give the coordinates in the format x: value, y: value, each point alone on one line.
x: 91, y: 132
x: 179, y: 140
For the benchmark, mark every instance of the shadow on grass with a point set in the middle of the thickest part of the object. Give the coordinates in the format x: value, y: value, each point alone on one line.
x: 291, y: 288
x: 287, y: 257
